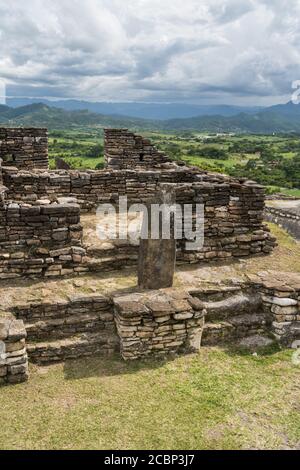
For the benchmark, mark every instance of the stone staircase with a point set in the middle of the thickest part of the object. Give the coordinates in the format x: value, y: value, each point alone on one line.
x: 73, y: 347
x: 232, y: 314
x: 85, y: 326
x: 68, y: 330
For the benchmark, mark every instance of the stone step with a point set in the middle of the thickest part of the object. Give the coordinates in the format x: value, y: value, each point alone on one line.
x: 87, y: 344
x: 240, y: 326
x: 75, y: 306
x: 232, y: 306
x: 215, y: 293
x: 111, y: 263
x: 100, y: 253
x: 56, y: 328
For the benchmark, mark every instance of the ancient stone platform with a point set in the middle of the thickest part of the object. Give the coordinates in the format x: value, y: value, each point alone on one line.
x: 74, y: 295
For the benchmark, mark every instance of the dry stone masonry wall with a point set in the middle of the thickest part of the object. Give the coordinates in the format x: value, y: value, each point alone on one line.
x: 232, y: 313
x: 233, y: 210
x: 40, y: 240
x: 125, y: 150
x: 24, y: 148
x: 281, y: 301
x: 41, y: 235
x: 233, y: 215
x: 158, y: 323
x: 91, y: 187
x: 150, y: 323
x: 80, y: 326
x: 13, y: 355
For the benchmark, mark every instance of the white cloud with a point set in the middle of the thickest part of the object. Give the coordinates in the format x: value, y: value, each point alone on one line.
x: 151, y: 50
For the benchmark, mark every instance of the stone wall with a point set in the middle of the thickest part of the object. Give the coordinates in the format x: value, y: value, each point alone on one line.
x: 233, y: 210
x: 40, y: 240
x: 158, y: 323
x: 13, y: 355
x: 287, y: 219
x: 233, y: 214
x: 281, y: 300
x: 91, y: 187
x: 153, y: 323
x: 33, y: 231
x: 125, y: 150
x: 80, y: 326
x: 24, y: 148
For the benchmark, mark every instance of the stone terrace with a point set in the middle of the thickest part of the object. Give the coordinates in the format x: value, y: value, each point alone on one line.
x: 43, y: 235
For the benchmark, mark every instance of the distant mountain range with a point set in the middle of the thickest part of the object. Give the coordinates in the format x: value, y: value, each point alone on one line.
x: 42, y: 115
x: 153, y: 111
x: 275, y: 119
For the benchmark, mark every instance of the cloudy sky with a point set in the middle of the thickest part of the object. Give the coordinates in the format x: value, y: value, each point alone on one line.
x: 195, y: 51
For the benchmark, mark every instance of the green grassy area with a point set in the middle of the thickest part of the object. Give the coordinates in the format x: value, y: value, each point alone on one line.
x: 285, y: 191
x: 217, y: 399
x: 82, y: 163
x: 81, y: 149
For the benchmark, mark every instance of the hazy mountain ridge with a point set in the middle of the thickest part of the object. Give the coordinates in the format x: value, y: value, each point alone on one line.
x: 267, y: 121
x: 45, y: 116
x: 153, y: 111
x: 276, y: 119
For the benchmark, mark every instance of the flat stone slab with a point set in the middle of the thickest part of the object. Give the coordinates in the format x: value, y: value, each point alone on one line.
x: 284, y: 302
x: 280, y: 281
x: 255, y: 342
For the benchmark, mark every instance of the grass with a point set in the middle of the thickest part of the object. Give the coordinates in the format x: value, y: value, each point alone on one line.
x: 79, y: 163
x: 217, y: 399
x: 285, y: 257
x: 292, y: 192
x: 284, y: 240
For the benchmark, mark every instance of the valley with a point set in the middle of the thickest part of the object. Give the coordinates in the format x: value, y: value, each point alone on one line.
x: 273, y: 161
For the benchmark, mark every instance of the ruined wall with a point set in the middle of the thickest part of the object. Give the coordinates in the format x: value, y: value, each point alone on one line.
x: 90, y: 187
x: 233, y: 210
x: 13, y: 355
x: 281, y: 301
x: 39, y: 240
x: 158, y: 323
x: 61, y: 330
x: 125, y: 150
x: 24, y: 148
x: 233, y: 215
